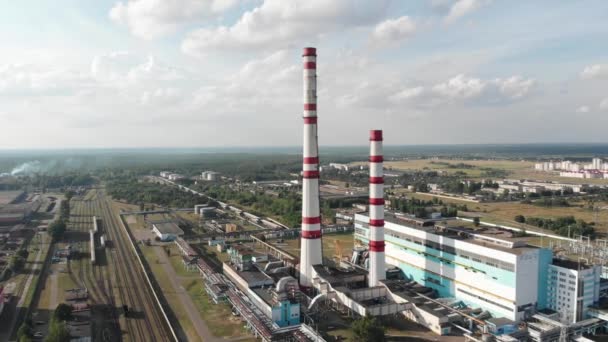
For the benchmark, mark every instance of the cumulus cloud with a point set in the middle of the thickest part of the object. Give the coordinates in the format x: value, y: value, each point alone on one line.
x: 276, y: 23
x: 123, y: 69
x: 595, y: 71
x: 262, y: 82
x: 394, y: 30
x: 582, y: 109
x: 29, y: 79
x: 461, y: 89
x: 463, y: 7
x: 149, y: 19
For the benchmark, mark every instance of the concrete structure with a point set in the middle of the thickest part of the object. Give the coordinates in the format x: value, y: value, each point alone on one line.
x: 311, y: 252
x: 377, y: 270
x: 571, y: 288
x: 167, y: 231
x: 210, y: 175
x: 487, y: 268
x: 337, y: 166
x: 231, y: 227
x: 273, y: 291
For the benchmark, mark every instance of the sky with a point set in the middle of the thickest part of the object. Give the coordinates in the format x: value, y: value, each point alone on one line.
x: 212, y: 73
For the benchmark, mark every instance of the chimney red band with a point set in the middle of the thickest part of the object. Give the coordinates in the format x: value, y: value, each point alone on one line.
x: 310, y: 65
x: 376, y: 201
x: 310, y: 106
x: 376, y: 246
x: 311, y: 234
x: 376, y: 223
x: 309, y: 52
x: 310, y: 174
x: 376, y: 180
x: 375, y: 135
x: 310, y: 120
x: 311, y: 160
x: 311, y: 220
x: 376, y: 159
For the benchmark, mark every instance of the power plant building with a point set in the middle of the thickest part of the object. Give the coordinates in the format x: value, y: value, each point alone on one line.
x: 488, y: 269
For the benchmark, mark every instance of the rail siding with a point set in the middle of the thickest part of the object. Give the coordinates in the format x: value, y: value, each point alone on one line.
x: 120, y: 218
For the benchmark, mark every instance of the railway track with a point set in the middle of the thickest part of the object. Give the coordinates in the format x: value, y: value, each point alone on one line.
x: 117, y: 279
x: 144, y: 322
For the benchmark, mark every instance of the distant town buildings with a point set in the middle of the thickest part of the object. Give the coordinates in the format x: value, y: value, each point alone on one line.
x: 171, y: 176
x: 596, y: 169
x: 210, y: 175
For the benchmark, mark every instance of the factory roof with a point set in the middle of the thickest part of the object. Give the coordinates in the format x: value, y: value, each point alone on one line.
x: 570, y: 264
x: 168, y: 228
x: 485, y: 236
x: 335, y: 275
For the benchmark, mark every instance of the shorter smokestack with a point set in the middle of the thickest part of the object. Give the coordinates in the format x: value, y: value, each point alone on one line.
x: 377, y: 270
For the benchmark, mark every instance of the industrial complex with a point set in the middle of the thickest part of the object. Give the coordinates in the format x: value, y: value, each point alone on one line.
x: 481, y: 282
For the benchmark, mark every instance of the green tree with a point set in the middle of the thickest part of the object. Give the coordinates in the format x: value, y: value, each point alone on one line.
x: 16, y: 263
x: 25, y: 332
x: 57, y: 229
x: 367, y: 329
x: 476, y: 221
x: 63, y: 312
x: 520, y: 218
x: 58, y: 332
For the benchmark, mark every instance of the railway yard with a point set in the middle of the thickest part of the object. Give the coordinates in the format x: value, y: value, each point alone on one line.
x: 109, y: 283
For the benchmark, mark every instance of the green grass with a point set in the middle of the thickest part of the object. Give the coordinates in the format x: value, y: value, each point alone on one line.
x: 218, y: 316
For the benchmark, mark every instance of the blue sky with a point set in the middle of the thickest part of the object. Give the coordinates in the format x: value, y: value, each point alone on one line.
x: 138, y: 73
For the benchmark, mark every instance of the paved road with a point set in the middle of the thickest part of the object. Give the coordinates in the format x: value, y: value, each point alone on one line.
x: 199, y: 325
x: 54, y: 290
x: 5, y: 335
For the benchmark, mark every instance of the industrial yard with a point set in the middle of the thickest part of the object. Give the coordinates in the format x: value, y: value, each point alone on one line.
x: 101, y: 277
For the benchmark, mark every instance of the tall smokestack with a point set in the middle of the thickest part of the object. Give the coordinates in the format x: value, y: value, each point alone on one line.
x: 310, y: 253
x: 377, y: 269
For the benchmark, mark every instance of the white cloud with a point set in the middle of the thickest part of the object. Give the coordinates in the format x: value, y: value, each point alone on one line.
x: 604, y: 104
x: 407, y: 94
x: 29, y: 79
x: 394, y: 30
x: 160, y: 96
x: 582, y: 109
x: 595, y: 71
x: 460, y: 87
x: 463, y: 7
x: 124, y: 69
x: 278, y: 23
x: 149, y: 19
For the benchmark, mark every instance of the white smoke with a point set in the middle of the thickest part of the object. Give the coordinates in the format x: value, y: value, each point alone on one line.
x: 46, y: 167
x: 27, y: 168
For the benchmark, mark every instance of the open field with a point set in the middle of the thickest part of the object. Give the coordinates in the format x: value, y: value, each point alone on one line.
x: 329, y: 244
x: 516, y: 169
x: 504, y: 212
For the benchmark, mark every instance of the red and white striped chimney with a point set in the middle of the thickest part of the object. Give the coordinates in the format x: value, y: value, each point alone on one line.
x: 311, y: 251
x: 377, y: 270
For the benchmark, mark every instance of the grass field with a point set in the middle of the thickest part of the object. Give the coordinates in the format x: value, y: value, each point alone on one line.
x: 329, y: 244
x: 516, y: 169
x: 219, y: 317
x: 504, y: 212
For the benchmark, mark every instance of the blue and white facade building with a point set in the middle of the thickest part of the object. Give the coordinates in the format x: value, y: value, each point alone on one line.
x: 571, y: 288
x: 486, y: 268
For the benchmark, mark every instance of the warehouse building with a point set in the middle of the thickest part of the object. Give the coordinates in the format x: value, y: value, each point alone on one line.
x: 167, y: 231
